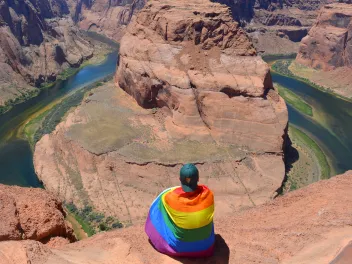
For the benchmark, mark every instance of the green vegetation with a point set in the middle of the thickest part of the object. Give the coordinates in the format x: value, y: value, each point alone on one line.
x: 295, y: 100
x: 32, y: 126
x: 314, y: 147
x: 273, y: 57
x: 91, y: 221
x: 76, y: 226
x: 46, y: 122
x: 282, y: 67
x: 19, y: 99
x: 305, y: 161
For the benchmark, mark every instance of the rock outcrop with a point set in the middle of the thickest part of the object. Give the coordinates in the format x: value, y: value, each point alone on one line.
x: 324, y: 55
x: 244, y: 10
x: 276, y: 27
x: 28, y: 213
x: 328, y: 45
x: 105, y: 16
x: 38, y: 40
x: 311, y: 225
x: 200, y: 65
x: 203, y: 97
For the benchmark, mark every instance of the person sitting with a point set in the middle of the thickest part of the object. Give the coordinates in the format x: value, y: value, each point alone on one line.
x: 180, y: 219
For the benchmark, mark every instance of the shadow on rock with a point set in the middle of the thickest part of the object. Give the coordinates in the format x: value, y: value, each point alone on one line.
x: 291, y: 155
x: 221, y: 254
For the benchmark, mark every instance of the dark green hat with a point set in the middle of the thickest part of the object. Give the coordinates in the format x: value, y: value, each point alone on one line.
x: 189, y: 177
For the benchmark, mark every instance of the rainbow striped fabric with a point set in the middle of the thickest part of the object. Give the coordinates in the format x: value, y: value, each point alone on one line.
x: 180, y: 224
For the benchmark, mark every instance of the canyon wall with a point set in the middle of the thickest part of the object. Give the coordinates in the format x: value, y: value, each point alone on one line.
x: 245, y: 10
x: 276, y: 27
x: 311, y: 225
x: 38, y: 40
x: 108, y: 17
x: 328, y: 45
x: 324, y: 55
x: 199, y: 94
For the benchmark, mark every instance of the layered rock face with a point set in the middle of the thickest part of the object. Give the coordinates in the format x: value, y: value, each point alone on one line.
x: 109, y: 17
x: 245, y: 10
x: 199, y: 94
x: 31, y: 214
x: 276, y: 27
x: 200, y: 65
x: 37, y: 41
x: 328, y: 45
x: 311, y: 225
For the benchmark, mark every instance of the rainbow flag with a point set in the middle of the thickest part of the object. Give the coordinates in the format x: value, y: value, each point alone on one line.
x: 180, y: 224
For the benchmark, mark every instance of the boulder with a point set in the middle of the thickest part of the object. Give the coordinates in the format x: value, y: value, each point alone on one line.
x: 30, y: 213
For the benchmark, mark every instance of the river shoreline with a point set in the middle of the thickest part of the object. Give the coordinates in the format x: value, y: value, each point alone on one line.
x: 95, y: 59
x: 311, y: 163
x: 330, y: 125
x: 288, y: 73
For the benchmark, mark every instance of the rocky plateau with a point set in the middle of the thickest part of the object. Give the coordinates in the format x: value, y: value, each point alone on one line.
x: 310, y: 225
x: 196, y: 92
x: 30, y: 213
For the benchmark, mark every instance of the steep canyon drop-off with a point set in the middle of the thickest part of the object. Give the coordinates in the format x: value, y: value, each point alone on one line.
x: 203, y: 97
x: 327, y: 50
x: 38, y: 40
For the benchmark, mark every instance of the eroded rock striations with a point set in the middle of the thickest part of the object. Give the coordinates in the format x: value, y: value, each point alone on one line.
x: 203, y: 97
x: 28, y: 213
x: 324, y: 55
x: 109, y: 17
x: 276, y: 27
x: 38, y: 40
x: 202, y: 67
x: 311, y: 225
x: 328, y: 45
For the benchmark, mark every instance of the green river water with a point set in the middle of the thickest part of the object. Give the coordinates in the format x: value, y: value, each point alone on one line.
x: 16, y: 159
x: 334, y: 136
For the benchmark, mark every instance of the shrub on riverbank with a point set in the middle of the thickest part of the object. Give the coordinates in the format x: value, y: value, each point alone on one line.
x: 91, y: 221
x: 46, y: 122
x: 319, y: 154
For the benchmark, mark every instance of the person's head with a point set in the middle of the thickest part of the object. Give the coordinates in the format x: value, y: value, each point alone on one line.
x: 189, y: 177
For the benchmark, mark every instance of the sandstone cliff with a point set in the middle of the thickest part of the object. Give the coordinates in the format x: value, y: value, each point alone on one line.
x: 311, y: 225
x: 32, y: 214
x: 326, y: 51
x: 246, y: 10
x: 38, y: 40
x: 109, y: 17
x: 203, y: 97
x: 328, y: 45
x: 276, y: 27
